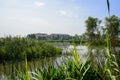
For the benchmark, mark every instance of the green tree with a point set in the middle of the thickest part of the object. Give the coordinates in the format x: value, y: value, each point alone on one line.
x: 98, y: 30
x: 91, y: 27
x: 113, y: 26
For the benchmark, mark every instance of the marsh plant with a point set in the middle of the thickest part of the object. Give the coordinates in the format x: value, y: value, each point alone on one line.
x: 15, y: 48
x: 73, y: 68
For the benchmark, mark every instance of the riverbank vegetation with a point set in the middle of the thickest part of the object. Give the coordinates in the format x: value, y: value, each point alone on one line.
x: 73, y: 68
x: 15, y: 49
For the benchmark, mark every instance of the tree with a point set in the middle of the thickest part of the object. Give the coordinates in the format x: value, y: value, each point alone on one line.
x: 32, y: 36
x: 98, y: 30
x: 91, y: 27
x: 113, y: 26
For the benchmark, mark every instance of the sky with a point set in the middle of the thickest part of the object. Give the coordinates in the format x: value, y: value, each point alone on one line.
x: 22, y: 17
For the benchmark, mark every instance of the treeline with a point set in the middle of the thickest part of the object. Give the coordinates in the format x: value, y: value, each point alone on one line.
x: 96, y: 32
x: 17, y: 48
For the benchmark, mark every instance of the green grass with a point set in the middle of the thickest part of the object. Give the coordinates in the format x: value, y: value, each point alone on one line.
x: 14, y: 49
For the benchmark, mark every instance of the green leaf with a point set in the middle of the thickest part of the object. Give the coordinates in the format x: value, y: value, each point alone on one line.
x: 115, y: 63
x: 85, y: 72
x: 113, y: 77
x: 116, y: 70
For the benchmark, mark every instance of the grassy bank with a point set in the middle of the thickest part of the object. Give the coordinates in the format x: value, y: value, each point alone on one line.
x: 15, y: 49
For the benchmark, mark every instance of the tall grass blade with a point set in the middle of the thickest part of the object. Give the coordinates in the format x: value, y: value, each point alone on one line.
x: 85, y: 72
x: 26, y: 67
x: 83, y: 64
x: 108, y: 45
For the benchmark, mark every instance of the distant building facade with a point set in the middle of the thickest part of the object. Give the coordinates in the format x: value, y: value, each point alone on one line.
x: 43, y: 36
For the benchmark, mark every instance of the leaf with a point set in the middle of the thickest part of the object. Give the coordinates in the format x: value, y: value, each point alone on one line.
x: 109, y: 72
x: 85, y: 71
x: 108, y: 45
x: 83, y: 64
x: 26, y: 67
x: 115, y: 63
x: 113, y: 77
x: 116, y: 70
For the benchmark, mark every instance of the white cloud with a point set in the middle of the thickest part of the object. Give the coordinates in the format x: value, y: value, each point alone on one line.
x: 39, y: 4
x: 63, y: 12
x: 68, y: 14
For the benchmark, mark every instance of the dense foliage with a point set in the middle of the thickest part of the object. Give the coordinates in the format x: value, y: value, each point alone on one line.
x: 96, y: 32
x: 16, y: 48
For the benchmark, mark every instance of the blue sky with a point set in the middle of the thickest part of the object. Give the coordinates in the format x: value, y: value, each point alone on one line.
x: 21, y: 17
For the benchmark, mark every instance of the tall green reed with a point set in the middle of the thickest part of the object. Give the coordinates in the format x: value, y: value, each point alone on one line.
x: 111, y: 67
